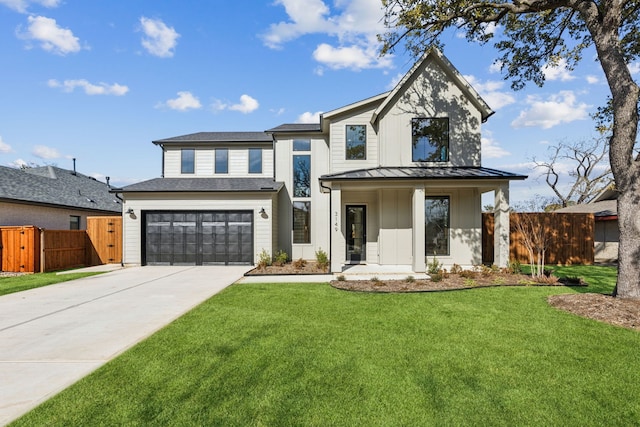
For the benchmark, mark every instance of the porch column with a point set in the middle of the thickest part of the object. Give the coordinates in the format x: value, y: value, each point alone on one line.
x: 337, y: 237
x: 501, y: 226
x: 419, y: 262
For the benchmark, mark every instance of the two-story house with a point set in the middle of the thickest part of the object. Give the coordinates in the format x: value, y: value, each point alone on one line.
x: 394, y: 179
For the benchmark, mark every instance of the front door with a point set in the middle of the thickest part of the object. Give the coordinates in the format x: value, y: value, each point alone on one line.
x: 356, y: 233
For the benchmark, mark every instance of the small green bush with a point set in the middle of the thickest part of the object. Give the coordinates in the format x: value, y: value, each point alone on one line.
x: 341, y: 278
x: 280, y: 258
x: 514, y: 267
x: 322, y: 259
x: 410, y: 279
x: 436, y: 277
x: 264, y: 259
x: 434, y: 266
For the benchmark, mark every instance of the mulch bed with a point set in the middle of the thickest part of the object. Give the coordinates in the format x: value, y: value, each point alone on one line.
x: 605, y: 308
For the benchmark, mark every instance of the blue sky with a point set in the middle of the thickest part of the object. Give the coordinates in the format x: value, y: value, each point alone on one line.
x: 99, y: 80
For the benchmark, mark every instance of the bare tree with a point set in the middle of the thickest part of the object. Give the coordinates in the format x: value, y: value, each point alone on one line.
x: 534, y: 33
x: 589, y: 170
x: 535, y: 237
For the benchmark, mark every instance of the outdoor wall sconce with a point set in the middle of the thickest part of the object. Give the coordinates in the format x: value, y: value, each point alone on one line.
x: 262, y: 211
x: 130, y: 211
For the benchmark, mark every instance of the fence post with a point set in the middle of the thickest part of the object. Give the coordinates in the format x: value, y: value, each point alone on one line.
x: 43, y: 258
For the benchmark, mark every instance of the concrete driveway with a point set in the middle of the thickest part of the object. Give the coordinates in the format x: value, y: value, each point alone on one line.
x: 51, y: 337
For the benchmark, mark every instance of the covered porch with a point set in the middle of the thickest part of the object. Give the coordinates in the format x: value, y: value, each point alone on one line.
x: 401, y: 218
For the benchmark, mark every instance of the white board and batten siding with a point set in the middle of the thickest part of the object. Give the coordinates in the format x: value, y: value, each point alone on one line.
x: 339, y: 162
x: 263, y: 237
x: 238, y: 163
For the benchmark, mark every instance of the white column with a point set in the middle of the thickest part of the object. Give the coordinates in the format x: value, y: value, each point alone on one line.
x: 501, y: 226
x: 337, y: 236
x: 419, y: 263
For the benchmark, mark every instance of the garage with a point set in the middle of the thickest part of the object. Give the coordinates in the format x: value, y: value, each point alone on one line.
x: 197, y: 238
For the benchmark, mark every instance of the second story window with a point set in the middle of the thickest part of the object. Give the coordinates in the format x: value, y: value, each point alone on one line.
x: 301, y: 145
x: 430, y: 139
x: 187, y: 161
x: 255, y: 160
x: 222, y: 160
x: 302, y: 176
x: 356, y: 142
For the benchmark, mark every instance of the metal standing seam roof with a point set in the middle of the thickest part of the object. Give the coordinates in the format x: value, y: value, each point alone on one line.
x: 413, y: 173
x: 168, y: 185
x: 53, y: 186
x: 296, y: 127
x: 217, y: 137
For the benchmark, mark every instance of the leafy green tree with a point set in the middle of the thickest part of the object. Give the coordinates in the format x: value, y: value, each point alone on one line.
x: 533, y: 33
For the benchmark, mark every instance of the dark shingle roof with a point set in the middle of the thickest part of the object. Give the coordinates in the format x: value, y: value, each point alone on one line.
x: 52, y: 186
x: 438, y: 172
x: 217, y: 137
x: 296, y: 127
x: 604, y: 208
x: 204, y: 185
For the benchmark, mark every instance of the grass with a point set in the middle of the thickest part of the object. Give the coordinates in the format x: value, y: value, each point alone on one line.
x: 301, y: 354
x: 11, y: 284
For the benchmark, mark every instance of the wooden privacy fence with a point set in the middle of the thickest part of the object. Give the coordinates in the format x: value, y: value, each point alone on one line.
x: 570, y: 237
x: 29, y: 249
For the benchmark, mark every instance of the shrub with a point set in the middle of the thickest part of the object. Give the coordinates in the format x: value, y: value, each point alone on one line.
x: 322, y: 259
x: 375, y: 279
x: 280, y: 258
x: 299, y: 263
x: 410, y: 279
x: 456, y: 269
x: 547, y: 280
x: 264, y: 259
x: 436, y: 277
x: 470, y: 282
x: 434, y: 266
x: 468, y: 274
x: 514, y: 267
x: 341, y: 278
x: 574, y: 280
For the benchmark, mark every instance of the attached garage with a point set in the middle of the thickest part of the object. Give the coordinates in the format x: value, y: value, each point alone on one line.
x: 198, y: 238
x: 199, y: 221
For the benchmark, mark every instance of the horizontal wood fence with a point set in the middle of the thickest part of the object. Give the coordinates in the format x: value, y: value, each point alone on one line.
x: 570, y: 237
x: 29, y: 249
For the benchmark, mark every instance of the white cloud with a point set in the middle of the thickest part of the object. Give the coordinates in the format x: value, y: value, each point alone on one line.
x: 247, y: 105
x: 634, y: 67
x: 52, y: 38
x: 491, y: 149
x: 89, y: 88
x: 309, y: 117
x: 355, y: 24
x: 489, y: 90
x: 160, y: 39
x: 44, y: 152
x: 592, y: 79
x: 496, y: 67
x: 185, y: 101
x: 4, y: 147
x: 557, y: 71
x: 559, y: 108
x: 22, y: 5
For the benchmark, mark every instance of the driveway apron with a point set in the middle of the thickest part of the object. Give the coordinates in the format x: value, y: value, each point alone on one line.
x: 51, y: 337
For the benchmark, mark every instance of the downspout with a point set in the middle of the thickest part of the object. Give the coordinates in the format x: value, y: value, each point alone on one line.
x: 330, y: 233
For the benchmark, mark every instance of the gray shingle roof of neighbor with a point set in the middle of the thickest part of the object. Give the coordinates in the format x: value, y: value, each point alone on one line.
x: 436, y: 172
x: 217, y: 137
x: 296, y: 127
x: 204, y: 185
x: 598, y: 209
x: 53, y: 186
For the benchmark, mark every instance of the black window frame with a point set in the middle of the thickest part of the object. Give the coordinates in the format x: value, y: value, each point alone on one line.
x: 440, y: 152
x: 301, y: 144
x: 301, y: 236
x: 252, y: 152
x: 350, y: 148
x: 187, y: 165
x: 301, y: 182
x: 75, y: 222
x: 431, y: 245
x: 218, y: 170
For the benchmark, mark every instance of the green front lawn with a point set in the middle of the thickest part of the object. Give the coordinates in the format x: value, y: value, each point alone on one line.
x: 11, y: 284
x: 301, y: 354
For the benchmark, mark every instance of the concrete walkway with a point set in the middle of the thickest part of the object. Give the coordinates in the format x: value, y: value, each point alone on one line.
x: 51, y: 337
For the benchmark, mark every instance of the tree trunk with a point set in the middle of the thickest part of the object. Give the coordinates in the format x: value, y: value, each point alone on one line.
x: 628, y: 284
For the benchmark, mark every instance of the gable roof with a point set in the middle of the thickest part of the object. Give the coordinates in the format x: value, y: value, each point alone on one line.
x: 56, y: 187
x: 168, y: 185
x: 296, y: 128
x: 435, y: 55
x: 216, y: 137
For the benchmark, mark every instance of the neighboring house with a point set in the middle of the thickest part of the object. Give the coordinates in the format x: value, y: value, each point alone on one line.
x: 394, y: 179
x: 53, y: 198
x: 604, y: 208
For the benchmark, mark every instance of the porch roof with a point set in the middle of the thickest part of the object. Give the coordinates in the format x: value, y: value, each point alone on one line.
x: 168, y: 185
x: 417, y: 173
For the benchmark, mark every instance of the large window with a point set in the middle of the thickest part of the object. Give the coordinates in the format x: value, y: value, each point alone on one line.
x: 430, y: 140
x: 436, y: 225
x: 255, y: 160
x: 222, y: 160
x: 187, y: 160
x: 301, y: 222
x: 302, y: 175
x: 356, y: 143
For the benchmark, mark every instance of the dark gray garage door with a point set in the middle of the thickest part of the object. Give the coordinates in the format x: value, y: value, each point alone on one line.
x: 198, y: 238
